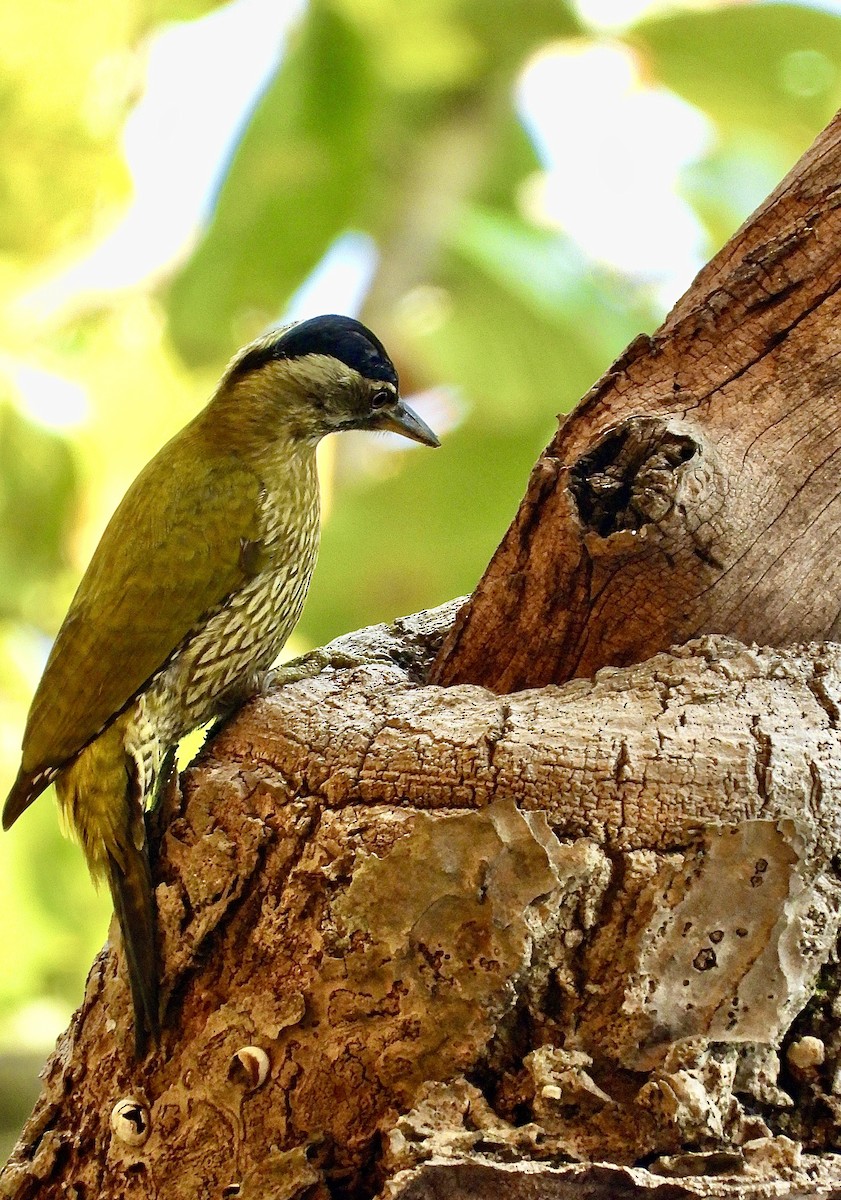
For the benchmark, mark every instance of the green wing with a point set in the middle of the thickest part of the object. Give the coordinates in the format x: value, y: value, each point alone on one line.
x: 170, y: 553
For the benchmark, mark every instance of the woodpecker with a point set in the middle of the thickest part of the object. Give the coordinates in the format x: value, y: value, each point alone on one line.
x: 197, y: 582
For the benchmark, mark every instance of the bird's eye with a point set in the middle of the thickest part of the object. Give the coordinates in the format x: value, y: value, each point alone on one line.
x: 381, y: 398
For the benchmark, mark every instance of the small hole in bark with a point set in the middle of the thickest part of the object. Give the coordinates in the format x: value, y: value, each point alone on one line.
x: 705, y: 959
x: 626, y: 481
x: 554, y: 998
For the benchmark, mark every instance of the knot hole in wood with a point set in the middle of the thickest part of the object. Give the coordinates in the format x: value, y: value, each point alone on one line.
x: 631, y: 476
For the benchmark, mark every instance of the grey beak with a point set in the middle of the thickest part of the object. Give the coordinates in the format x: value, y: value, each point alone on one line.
x: 402, y: 420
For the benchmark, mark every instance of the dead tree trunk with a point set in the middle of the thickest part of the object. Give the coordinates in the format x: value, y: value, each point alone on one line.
x: 424, y: 941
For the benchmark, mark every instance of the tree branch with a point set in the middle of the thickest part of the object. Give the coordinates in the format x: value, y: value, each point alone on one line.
x: 697, y: 487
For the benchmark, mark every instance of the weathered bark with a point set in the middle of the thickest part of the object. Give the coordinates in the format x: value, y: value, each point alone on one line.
x: 577, y: 924
x: 697, y: 488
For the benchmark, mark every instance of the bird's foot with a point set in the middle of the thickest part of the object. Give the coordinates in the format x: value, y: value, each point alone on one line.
x: 307, y: 667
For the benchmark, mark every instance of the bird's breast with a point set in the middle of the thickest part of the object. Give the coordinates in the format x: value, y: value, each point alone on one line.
x: 241, y: 638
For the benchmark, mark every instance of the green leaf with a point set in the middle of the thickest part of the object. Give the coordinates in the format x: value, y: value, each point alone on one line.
x: 69, y: 74
x: 456, y: 45
x: 773, y: 67
x: 37, y: 493
x: 546, y: 319
x: 424, y: 533
x: 155, y: 12
x: 293, y: 185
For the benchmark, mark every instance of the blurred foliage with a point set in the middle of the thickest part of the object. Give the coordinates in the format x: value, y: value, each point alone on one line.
x: 37, y: 493
x: 335, y: 142
x: 69, y: 71
x: 769, y: 78
x: 772, y: 70
x: 389, y: 119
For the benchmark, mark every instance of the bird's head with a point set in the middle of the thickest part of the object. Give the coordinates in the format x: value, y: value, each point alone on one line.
x: 321, y: 376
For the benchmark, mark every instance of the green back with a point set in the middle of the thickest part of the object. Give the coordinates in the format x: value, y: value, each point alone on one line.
x: 170, y: 553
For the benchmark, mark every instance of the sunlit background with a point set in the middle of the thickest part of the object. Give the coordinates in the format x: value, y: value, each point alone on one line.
x: 507, y: 191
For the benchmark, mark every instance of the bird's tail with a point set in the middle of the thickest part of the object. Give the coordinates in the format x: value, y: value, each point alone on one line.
x: 101, y: 798
x: 130, y: 881
x: 27, y: 787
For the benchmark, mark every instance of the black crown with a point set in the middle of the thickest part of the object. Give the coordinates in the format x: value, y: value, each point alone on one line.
x: 343, y: 338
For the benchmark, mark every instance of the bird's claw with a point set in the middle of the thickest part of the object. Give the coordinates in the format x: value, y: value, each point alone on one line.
x: 307, y: 667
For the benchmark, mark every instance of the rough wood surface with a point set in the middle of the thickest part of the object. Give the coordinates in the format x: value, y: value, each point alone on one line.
x: 697, y: 487
x: 477, y: 1178
x: 579, y: 923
